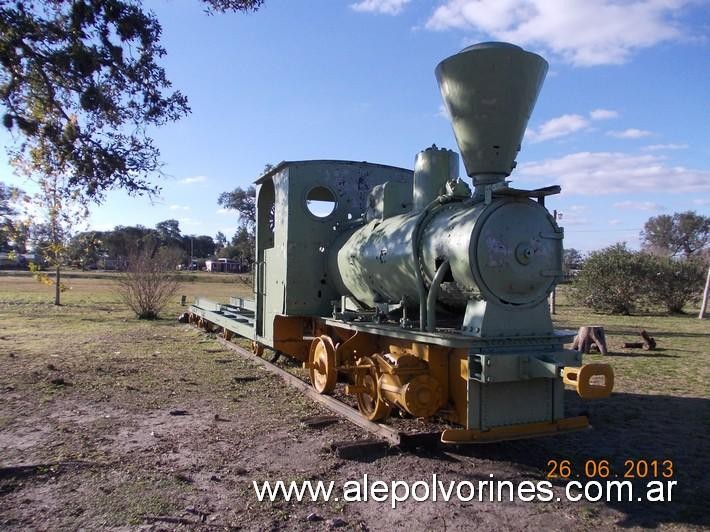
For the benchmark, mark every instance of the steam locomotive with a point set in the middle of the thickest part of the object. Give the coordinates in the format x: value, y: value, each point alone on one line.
x: 417, y: 291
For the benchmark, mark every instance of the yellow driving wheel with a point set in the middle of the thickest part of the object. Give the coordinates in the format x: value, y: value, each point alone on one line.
x: 368, y: 401
x: 322, y: 365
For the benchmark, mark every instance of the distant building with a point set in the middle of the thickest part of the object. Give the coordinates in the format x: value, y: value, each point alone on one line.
x: 106, y: 263
x: 222, y: 265
x: 13, y: 261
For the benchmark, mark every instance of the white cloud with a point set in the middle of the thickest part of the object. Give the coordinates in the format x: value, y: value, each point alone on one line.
x: 602, y: 114
x: 701, y: 202
x: 577, y: 208
x: 582, y: 32
x: 596, y: 173
x: 631, y: 133
x: 190, y: 221
x: 557, y: 127
x: 614, y: 222
x: 192, y: 180
x: 639, y: 206
x: 662, y: 147
x: 388, y: 7
x: 176, y: 207
x: 226, y: 211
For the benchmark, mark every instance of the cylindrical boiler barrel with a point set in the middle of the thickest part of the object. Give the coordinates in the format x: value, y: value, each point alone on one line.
x: 504, y: 252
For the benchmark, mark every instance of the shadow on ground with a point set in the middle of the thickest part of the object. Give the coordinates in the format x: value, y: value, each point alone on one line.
x: 629, y: 427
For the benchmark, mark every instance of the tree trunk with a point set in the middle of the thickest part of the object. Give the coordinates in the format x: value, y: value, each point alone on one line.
x: 649, y: 344
x: 588, y: 336
x: 57, y: 286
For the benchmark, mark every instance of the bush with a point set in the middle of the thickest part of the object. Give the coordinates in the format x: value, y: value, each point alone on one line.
x: 677, y: 282
x: 149, y: 281
x: 614, y: 280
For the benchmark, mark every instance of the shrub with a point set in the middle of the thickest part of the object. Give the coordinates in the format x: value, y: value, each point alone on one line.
x: 676, y: 282
x: 149, y: 281
x: 614, y: 280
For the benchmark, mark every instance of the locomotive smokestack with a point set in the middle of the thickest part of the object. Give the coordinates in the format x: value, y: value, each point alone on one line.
x: 490, y: 90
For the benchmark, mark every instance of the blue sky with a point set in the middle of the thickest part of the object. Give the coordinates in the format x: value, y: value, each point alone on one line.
x: 622, y: 122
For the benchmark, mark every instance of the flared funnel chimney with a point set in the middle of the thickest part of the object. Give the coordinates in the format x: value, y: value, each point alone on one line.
x: 490, y: 90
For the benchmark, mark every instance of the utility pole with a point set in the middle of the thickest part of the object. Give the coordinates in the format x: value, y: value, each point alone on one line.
x: 192, y: 251
x: 704, y: 306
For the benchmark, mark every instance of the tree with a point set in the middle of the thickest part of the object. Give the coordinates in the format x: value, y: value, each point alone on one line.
x: 685, y: 233
x: 61, y: 213
x: 244, y: 246
x: 677, y: 282
x: 80, y: 84
x: 201, y: 246
x: 244, y: 202
x: 220, y: 240
x: 169, y: 233
x: 127, y: 240
x: 11, y: 229
x: 149, y: 282
x: 571, y: 260
x: 243, y: 242
x: 614, y: 280
x: 85, y: 248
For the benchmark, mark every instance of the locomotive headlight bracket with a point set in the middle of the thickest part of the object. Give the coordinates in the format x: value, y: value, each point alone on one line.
x: 591, y: 381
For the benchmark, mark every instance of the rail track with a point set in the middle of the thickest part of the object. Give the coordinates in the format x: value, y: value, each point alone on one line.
x: 393, y: 436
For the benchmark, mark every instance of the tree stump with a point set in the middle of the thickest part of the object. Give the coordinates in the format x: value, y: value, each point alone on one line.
x: 649, y: 343
x: 588, y: 336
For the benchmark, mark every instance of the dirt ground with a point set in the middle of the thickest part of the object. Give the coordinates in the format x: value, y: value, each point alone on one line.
x: 111, y: 423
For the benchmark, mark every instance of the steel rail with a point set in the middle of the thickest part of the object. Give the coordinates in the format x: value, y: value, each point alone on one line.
x: 393, y: 436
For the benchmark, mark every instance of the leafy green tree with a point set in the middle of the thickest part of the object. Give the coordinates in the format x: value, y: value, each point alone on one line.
x: 243, y: 244
x: 241, y: 249
x: 683, y: 233
x: 676, y: 282
x: 85, y: 248
x: 220, y: 240
x: 614, y: 280
x: 81, y: 84
x: 572, y: 259
x: 201, y: 246
x: 243, y: 201
x: 169, y: 233
x: 12, y: 229
x: 124, y: 240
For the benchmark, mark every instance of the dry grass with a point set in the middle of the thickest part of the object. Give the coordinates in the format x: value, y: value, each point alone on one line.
x: 86, y: 391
